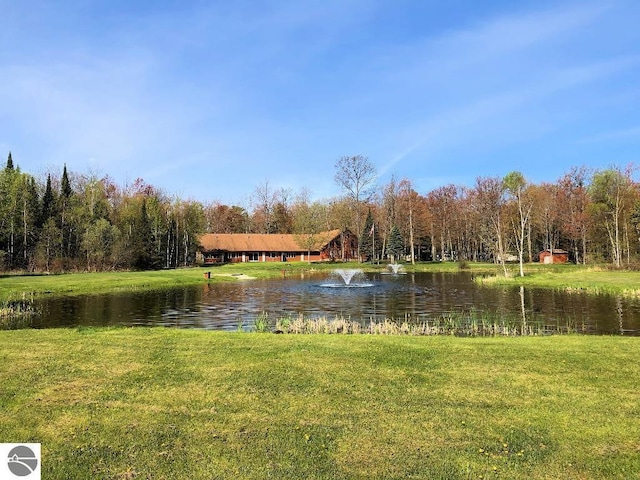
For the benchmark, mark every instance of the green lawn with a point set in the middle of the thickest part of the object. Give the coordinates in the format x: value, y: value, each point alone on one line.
x: 184, y: 404
x: 102, y: 282
x: 576, y: 278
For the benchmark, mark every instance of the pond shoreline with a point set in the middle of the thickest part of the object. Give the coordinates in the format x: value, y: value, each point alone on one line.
x: 590, y: 279
x: 426, y: 302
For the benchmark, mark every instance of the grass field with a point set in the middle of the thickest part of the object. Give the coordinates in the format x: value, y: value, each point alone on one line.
x: 102, y: 282
x: 173, y: 404
x: 576, y: 278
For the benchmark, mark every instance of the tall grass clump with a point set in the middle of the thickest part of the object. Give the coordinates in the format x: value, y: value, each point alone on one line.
x: 460, y: 324
x: 17, y: 313
x: 463, y: 265
x: 305, y: 325
x: 261, y: 323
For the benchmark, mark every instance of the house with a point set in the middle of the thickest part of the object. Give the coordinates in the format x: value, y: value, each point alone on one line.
x: 554, y: 255
x: 257, y: 247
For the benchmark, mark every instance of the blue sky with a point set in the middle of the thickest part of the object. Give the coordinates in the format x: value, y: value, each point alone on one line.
x: 209, y: 99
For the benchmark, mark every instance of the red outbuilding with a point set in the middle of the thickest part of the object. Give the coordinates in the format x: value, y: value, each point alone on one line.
x: 555, y: 255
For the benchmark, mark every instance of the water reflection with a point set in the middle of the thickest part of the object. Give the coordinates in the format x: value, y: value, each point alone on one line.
x: 414, y: 297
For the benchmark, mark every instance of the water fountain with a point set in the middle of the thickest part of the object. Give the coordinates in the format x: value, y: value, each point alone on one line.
x: 396, y: 269
x: 348, y: 278
x: 347, y: 274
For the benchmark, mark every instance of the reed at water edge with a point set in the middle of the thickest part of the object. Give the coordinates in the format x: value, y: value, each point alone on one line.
x: 461, y: 324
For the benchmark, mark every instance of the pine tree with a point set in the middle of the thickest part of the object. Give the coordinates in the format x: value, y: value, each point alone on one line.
x: 395, y: 246
x: 47, y: 210
x: 9, y: 162
x: 65, y: 196
x: 65, y: 185
x: 145, y: 257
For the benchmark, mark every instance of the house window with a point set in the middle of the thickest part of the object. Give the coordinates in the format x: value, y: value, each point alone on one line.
x: 254, y: 257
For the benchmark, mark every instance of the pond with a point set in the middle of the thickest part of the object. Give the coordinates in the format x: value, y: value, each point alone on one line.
x: 413, y: 297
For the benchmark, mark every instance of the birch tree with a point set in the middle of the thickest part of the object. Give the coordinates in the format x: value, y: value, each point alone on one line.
x: 611, y: 192
x: 515, y: 184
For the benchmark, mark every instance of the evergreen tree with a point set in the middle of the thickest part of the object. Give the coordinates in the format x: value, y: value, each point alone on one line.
x: 395, y: 246
x: 143, y: 243
x: 65, y: 201
x: 9, y: 162
x: 65, y: 185
x: 141, y: 238
x: 48, y: 200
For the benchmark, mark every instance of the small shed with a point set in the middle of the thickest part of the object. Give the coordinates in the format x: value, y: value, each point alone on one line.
x: 555, y: 255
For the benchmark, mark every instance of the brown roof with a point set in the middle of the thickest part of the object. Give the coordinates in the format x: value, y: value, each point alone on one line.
x: 261, y: 242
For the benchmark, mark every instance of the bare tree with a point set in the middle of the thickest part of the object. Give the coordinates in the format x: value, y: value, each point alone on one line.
x: 408, y: 201
x: 264, y: 200
x: 356, y: 175
x: 548, y: 216
x: 308, y: 221
x: 573, y: 186
x: 488, y: 202
x: 442, y: 203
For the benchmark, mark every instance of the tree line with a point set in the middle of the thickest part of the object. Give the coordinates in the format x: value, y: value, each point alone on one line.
x: 88, y: 222
x: 83, y: 221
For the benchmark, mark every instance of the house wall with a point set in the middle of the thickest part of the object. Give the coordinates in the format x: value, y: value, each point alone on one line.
x: 335, y: 250
x: 546, y: 257
x: 262, y: 257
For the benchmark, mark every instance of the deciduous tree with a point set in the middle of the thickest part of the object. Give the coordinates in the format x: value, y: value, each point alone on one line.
x: 612, y: 195
x: 356, y: 175
x: 574, y: 210
x: 408, y: 201
x: 515, y: 185
x: 488, y: 201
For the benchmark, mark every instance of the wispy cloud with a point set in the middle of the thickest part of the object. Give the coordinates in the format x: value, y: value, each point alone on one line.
x: 453, y: 126
x: 514, y: 34
x: 503, y: 45
x: 632, y: 133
